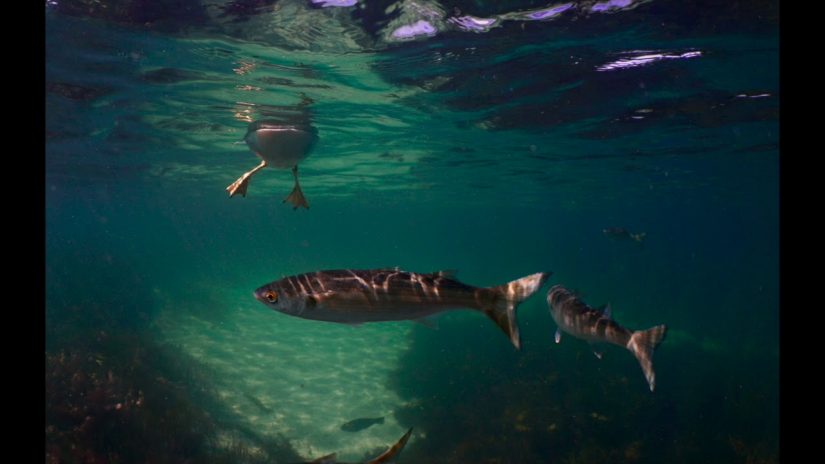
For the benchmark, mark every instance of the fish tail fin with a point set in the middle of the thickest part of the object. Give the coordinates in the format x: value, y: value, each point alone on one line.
x: 507, y: 297
x: 639, y: 237
x: 642, y: 344
x: 394, y: 450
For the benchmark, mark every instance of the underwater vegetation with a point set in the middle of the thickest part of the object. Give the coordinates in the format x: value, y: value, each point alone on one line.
x: 479, y: 134
x: 479, y: 404
x: 125, y: 399
x: 116, y: 395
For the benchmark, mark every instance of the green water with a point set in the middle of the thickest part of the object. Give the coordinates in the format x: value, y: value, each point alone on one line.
x: 498, y: 154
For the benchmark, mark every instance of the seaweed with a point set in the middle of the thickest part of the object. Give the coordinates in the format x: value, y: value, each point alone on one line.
x: 115, y: 394
x: 553, y: 403
x: 129, y: 399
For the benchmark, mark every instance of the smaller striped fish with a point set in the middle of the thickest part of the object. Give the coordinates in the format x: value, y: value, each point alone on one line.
x: 578, y: 319
x: 356, y: 296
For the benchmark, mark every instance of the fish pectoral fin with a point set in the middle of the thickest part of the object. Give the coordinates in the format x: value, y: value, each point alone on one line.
x: 558, y: 335
x: 596, y: 350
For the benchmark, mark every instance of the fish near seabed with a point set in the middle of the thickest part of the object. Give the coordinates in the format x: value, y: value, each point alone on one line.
x: 578, y: 319
x: 356, y: 425
x: 280, y: 146
x: 386, y: 456
x: 357, y: 296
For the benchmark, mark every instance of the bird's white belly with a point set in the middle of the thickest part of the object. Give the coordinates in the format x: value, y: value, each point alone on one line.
x: 280, y: 147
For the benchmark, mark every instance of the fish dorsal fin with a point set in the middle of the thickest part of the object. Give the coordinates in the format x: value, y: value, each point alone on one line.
x: 576, y: 293
x: 606, y: 310
x: 328, y: 459
x: 447, y: 273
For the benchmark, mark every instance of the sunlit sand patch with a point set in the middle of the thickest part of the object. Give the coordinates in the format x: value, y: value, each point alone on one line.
x: 297, y: 378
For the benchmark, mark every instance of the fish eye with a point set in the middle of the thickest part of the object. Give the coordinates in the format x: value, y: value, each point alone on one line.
x: 271, y: 296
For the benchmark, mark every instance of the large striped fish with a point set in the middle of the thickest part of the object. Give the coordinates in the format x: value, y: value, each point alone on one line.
x: 578, y: 319
x: 356, y: 296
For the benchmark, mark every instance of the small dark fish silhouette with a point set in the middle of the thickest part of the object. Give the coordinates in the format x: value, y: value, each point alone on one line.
x: 356, y: 425
x: 257, y: 403
x: 620, y: 233
x: 386, y: 456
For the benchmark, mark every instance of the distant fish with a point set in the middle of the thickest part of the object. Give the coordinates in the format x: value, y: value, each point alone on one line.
x: 257, y: 403
x: 386, y: 456
x: 578, y: 319
x: 356, y: 296
x: 360, y: 424
x: 620, y: 233
x: 280, y: 146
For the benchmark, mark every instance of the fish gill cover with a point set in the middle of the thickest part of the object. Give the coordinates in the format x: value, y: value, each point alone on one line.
x: 496, y: 138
